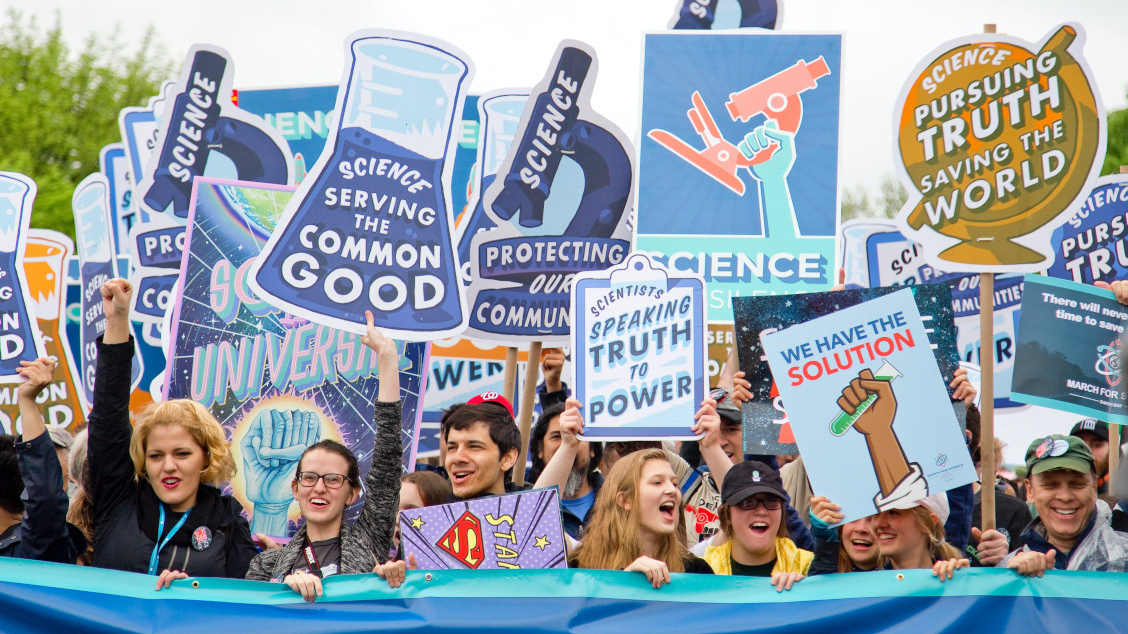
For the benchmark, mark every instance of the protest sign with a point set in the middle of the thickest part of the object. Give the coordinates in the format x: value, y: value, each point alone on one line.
x: 1007, y: 300
x: 303, y: 115
x: 198, y: 121
x: 1093, y: 244
x: 93, y: 225
x: 517, y: 530
x: 868, y: 406
x: 639, y: 346
x: 997, y: 137
x: 140, y: 127
x: 157, y: 251
x: 247, y: 362
x: 728, y: 14
x: 44, y: 271
x: 370, y: 227
x: 561, y: 204
x: 719, y: 338
x: 1068, y: 352
x: 756, y: 210
x: 20, y: 340
x: 875, y: 253
x: 114, y: 164
x: 766, y: 426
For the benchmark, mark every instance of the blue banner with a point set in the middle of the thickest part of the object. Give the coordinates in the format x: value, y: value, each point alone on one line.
x: 41, y: 597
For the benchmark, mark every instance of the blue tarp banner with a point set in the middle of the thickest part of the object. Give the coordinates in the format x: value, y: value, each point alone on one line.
x: 39, y: 597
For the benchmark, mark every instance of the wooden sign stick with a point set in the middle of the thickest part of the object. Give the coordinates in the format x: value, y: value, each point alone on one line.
x: 987, y: 385
x: 509, y: 379
x: 525, y: 411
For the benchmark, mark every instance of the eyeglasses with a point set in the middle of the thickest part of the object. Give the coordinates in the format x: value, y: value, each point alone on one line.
x: 332, y: 480
x: 770, y: 503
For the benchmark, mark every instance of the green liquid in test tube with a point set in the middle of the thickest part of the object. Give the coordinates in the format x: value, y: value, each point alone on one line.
x: 843, y: 421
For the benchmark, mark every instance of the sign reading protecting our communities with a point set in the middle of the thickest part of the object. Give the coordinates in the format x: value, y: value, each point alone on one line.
x: 997, y: 138
x: 1068, y: 353
x: 517, y: 530
x: 370, y: 228
x: 869, y: 407
x: 767, y: 429
x: 639, y: 351
x: 20, y: 339
x: 260, y: 370
x: 1092, y: 245
x: 560, y: 202
x: 738, y: 167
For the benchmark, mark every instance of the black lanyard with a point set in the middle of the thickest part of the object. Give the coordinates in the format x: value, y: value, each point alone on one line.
x: 311, y: 558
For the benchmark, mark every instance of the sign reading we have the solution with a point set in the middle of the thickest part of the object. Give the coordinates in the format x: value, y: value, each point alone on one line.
x: 638, y: 346
x: 868, y: 406
x: 1068, y: 352
x: 518, y: 530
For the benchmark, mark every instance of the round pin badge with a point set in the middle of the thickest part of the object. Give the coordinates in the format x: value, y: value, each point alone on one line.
x: 201, y: 538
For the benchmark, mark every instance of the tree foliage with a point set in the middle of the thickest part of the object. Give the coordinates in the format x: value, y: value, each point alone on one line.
x: 58, y: 108
x: 857, y: 202
x: 1116, y: 154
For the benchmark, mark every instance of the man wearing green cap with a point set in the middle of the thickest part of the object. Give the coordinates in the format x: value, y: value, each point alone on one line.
x: 1073, y: 530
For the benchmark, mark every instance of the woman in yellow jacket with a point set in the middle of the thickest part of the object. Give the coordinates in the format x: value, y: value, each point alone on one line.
x: 756, y: 544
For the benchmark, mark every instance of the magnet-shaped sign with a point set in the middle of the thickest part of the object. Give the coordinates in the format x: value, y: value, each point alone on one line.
x: 639, y: 349
x: 728, y: 14
x: 371, y: 228
x: 500, y: 114
x: 201, y: 131
x: 92, y: 224
x: 19, y: 336
x: 561, y: 204
x: 998, y: 137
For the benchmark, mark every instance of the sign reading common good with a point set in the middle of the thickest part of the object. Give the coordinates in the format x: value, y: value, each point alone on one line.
x: 639, y: 350
x: 997, y: 138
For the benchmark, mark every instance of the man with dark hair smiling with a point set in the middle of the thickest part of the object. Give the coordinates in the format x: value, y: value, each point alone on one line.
x: 482, y: 442
x: 1073, y: 530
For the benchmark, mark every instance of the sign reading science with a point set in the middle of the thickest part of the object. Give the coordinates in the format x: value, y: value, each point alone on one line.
x: 998, y: 138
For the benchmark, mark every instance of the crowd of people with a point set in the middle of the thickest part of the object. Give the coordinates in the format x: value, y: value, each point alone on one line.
x: 145, y: 496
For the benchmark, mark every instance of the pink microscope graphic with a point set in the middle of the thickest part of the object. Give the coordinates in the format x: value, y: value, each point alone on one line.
x: 776, y: 97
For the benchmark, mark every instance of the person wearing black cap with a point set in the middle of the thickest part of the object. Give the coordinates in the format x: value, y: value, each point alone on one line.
x: 1095, y: 434
x: 751, y: 514
x: 1073, y: 530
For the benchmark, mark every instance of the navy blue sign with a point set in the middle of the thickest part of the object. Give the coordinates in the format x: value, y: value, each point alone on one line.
x: 728, y: 14
x: 1093, y: 244
x: 93, y: 223
x: 19, y: 335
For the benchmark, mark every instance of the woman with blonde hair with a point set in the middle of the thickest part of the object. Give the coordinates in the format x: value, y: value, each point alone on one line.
x: 156, y: 505
x: 636, y: 522
x: 914, y: 538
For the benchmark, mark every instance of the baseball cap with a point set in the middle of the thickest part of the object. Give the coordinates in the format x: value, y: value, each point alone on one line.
x: 60, y: 436
x: 492, y: 397
x: 1058, y: 452
x: 937, y: 504
x: 748, y: 478
x: 1091, y: 425
x: 726, y: 409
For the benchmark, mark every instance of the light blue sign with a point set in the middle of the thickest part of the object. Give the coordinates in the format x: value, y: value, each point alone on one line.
x: 20, y: 339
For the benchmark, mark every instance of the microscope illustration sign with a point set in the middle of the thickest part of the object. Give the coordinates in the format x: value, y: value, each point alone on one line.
x: 865, y: 397
x: 738, y: 172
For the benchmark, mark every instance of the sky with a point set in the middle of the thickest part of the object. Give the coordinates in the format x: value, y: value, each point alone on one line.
x: 276, y: 43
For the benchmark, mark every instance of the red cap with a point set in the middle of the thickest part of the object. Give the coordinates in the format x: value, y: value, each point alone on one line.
x: 492, y: 397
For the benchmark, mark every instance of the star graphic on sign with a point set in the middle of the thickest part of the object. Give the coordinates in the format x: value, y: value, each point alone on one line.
x: 542, y: 542
x: 417, y: 522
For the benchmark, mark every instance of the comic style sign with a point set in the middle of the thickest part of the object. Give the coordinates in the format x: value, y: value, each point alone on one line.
x: 20, y: 339
x: 869, y: 407
x: 44, y: 271
x: 997, y: 138
x: 1068, y: 355
x: 370, y: 227
x: 639, y: 350
x: 755, y: 210
x: 198, y: 121
x: 728, y: 14
x: 253, y: 365
x: 561, y: 203
x: 1093, y: 244
x: 93, y: 223
x: 518, y: 530
x: 767, y: 428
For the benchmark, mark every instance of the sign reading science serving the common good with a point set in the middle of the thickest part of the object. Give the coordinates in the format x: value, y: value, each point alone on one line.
x: 560, y: 203
x: 1069, y: 351
x: 997, y: 138
x: 639, y: 350
x: 518, y: 530
x: 869, y: 407
x: 370, y: 228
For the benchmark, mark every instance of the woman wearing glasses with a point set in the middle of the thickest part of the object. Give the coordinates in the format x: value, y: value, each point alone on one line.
x: 328, y: 481
x: 751, y: 515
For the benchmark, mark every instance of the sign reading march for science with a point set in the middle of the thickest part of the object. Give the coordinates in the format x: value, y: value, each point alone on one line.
x: 370, y: 228
x: 997, y: 138
x: 738, y: 163
x: 868, y: 406
x: 639, y: 350
x: 1069, y: 350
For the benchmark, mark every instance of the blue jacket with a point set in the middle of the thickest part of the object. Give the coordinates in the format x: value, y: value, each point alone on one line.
x: 44, y: 534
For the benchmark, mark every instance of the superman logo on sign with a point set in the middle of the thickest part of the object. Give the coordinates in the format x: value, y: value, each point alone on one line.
x: 464, y: 540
